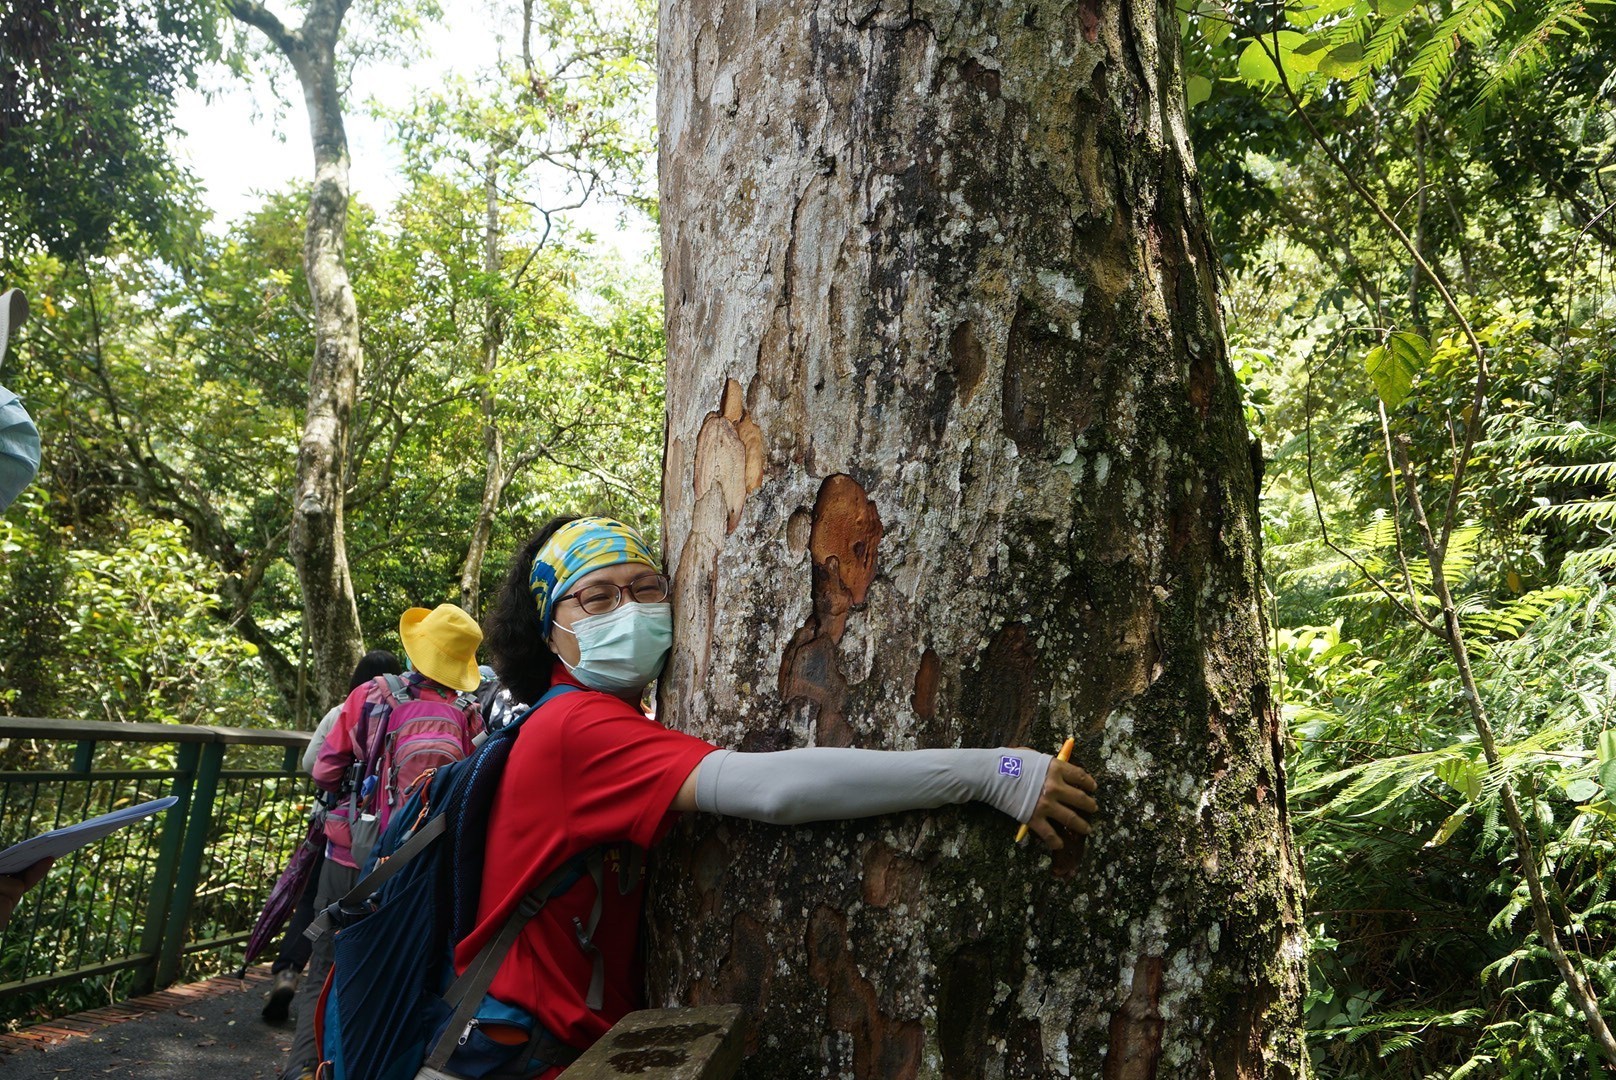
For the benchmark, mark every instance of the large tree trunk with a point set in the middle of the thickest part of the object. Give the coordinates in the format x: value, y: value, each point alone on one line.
x: 955, y: 458
x: 319, y: 549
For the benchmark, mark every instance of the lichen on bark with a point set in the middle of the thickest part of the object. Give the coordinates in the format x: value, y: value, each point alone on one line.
x: 947, y: 260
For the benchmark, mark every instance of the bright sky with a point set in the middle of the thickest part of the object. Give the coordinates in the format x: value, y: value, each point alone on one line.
x: 239, y: 148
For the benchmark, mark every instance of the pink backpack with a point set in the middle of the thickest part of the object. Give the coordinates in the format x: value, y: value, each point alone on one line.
x: 421, y: 733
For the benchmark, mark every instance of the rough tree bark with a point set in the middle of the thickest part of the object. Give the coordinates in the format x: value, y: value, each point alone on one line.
x: 317, y: 542
x: 955, y: 457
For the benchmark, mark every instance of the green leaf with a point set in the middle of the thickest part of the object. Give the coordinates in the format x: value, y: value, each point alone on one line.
x: 1449, y: 827
x: 1392, y: 366
x: 1216, y: 25
x: 1343, y: 61
x: 1310, y: 14
x: 1461, y: 774
x: 1391, y: 9
x: 1197, y: 88
x: 1256, y: 69
x: 1581, y: 791
x: 1607, y: 763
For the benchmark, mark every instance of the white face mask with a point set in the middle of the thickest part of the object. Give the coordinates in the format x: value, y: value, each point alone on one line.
x: 623, y: 649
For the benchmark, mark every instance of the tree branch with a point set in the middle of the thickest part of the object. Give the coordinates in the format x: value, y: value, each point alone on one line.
x: 257, y: 15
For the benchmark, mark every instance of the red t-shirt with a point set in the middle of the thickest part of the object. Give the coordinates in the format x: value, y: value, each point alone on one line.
x: 588, y: 769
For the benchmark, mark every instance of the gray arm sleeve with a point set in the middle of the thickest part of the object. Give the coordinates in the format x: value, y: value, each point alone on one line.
x: 789, y: 787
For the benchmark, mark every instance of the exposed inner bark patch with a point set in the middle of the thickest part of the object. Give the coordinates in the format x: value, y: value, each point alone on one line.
x: 843, y: 540
x: 1203, y: 382
x: 798, y: 528
x: 846, y: 533
x: 925, y: 697
x: 1136, y: 1028
x: 984, y: 78
x: 1089, y: 12
x: 890, y: 878
x: 883, y: 1048
x: 729, y: 453
x: 748, y: 971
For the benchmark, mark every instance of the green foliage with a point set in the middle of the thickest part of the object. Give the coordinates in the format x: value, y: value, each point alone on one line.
x: 1423, y: 955
x: 171, y: 390
x: 86, y: 101
x: 134, y: 628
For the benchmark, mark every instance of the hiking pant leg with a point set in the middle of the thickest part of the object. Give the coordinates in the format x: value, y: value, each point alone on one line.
x: 294, y: 950
x: 335, y: 881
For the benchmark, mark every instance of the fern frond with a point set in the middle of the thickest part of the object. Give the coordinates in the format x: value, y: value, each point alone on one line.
x: 1599, y: 512
x: 1473, y: 21
x: 1572, y: 438
x: 1512, y: 618
x: 1599, y: 558
x: 1531, y: 51
x: 1593, y: 472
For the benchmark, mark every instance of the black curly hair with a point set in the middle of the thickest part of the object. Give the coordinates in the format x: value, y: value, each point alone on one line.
x: 512, y: 630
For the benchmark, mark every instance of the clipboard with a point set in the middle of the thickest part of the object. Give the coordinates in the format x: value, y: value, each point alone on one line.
x: 59, y: 842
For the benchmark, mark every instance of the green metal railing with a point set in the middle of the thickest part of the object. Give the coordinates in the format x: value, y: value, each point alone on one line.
x: 173, y: 896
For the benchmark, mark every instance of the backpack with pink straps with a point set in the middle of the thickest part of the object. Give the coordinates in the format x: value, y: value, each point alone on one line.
x: 419, y: 732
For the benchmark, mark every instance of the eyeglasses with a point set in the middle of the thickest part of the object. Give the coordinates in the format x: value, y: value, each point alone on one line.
x: 602, y: 597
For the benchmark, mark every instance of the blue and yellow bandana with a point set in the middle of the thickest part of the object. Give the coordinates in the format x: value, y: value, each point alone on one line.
x: 576, y: 549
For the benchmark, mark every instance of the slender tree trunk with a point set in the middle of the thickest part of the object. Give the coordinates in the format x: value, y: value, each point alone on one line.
x: 1416, y: 307
x: 955, y: 458
x: 319, y: 549
x: 494, y: 476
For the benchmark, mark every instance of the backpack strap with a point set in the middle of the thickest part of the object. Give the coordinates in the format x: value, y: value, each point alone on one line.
x: 468, y: 817
x: 586, y: 936
x: 556, y: 690
x: 399, y: 687
x: 630, y: 870
x: 465, y: 996
x: 354, y: 900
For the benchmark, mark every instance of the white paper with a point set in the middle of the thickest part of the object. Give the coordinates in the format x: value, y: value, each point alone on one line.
x: 58, y: 842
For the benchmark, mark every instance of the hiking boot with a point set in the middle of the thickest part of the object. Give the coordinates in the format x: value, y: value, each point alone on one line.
x: 278, y: 1002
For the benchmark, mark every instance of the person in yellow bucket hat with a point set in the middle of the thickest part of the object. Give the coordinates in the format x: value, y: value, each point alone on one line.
x: 442, y: 645
x: 389, y: 732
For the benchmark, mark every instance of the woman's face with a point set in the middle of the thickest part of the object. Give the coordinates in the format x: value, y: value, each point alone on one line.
x: 568, y: 611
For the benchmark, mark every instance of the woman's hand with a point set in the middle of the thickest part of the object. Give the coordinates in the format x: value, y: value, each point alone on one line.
x: 1064, y: 806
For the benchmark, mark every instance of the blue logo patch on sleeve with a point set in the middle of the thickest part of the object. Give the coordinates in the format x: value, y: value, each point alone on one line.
x: 1009, y: 766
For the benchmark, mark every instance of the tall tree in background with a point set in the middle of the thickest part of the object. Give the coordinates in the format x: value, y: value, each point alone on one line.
x: 319, y: 549
x: 571, y: 121
x: 955, y: 457
x: 569, y: 127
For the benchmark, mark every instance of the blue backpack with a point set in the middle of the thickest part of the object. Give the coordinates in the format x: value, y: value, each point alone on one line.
x: 392, y: 1008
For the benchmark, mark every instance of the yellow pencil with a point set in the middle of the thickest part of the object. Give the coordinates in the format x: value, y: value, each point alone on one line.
x: 1064, y: 755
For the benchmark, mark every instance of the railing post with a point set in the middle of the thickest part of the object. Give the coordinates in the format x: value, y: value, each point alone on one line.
x: 168, y: 860
x: 190, y: 868
x: 84, y: 755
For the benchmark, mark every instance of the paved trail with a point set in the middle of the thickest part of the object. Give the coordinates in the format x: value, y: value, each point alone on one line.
x: 207, y: 1031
